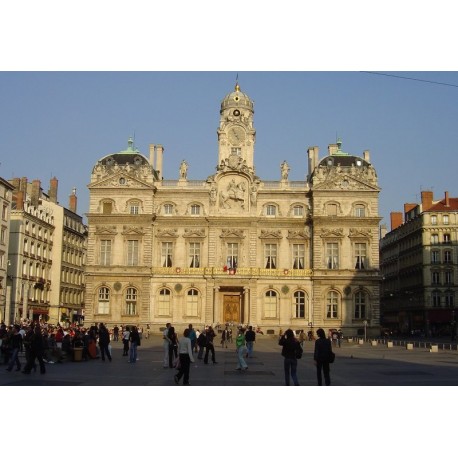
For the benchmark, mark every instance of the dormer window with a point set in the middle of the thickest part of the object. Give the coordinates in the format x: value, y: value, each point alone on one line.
x: 271, y: 210
x: 168, y: 209
x: 195, y: 209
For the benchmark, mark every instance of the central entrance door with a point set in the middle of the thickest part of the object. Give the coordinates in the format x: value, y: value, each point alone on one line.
x: 231, y: 308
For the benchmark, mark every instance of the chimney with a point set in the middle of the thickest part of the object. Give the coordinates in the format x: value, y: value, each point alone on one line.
x: 151, y: 154
x: 426, y: 200
x: 19, y: 197
x: 367, y: 156
x: 73, y: 201
x: 159, y: 157
x: 313, y: 158
x: 23, y: 185
x: 16, y: 182
x: 53, y: 183
x: 447, y: 199
x: 332, y: 149
x: 36, y: 192
x: 396, y: 220
x: 408, y: 207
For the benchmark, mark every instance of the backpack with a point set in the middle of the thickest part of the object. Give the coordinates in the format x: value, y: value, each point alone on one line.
x: 298, y: 351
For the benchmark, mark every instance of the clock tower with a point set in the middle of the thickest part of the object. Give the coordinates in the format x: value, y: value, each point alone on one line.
x: 236, y: 135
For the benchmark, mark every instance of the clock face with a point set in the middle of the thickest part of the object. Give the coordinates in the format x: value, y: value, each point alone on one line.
x: 236, y: 136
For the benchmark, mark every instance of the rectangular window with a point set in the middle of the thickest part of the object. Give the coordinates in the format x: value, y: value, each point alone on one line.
x: 194, y: 254
x: 448, y: 277
x: 435, y: 257
x: 271, y: 210
x: 107, y: 208
x: 434, y: 220
x: 105, y: 252
x: 447, y: 238
x: 449, y: 300
x: 132, y: 252
x: 360, y: 256
x: 448, y: 257
x: 134, y: 209
x: 298, y: 256
x: 436, y: 299
x: 270, y: 305
x: 360, y: 306
x: 192, y: 302
x: 299, y: 299
x: 332, y: 255
x: 4, y: 212
x: 435, y: 278
x: 168, y: 209
x: 270, y: 256
x: 445, y: 220
x: 195, y: 209
x: 298, y: 210
x: 434, y: 239
x: 360, y: 211
x: 131, y: 308
x: 332, y: 305
x: 166, y: 254
x: 2, y: 235
x: 232, y: 255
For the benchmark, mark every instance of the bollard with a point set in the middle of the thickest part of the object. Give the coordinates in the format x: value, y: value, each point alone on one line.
x: 409, y: 346
x: 360, y: 341
x: 374, y: 343
x: 389, y: 344
x: 434, y: 349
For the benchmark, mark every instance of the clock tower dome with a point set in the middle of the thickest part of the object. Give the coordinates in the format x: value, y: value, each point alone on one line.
x: 236, y: 135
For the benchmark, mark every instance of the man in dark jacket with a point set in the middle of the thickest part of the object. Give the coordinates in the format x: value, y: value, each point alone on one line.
x: 36, y: 351
x: 15, y: 346
x: 322, y: 357
x: 210, y: 335
x: 250, y: 337
x: 104, y: 341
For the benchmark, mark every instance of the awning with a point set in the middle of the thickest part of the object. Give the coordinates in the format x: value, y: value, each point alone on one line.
x: 440, y: 316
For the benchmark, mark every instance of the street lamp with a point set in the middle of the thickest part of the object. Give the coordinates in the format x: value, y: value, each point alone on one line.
x: 365, y: 330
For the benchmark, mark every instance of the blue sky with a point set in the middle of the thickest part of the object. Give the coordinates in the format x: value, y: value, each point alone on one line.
x: 60, y: 123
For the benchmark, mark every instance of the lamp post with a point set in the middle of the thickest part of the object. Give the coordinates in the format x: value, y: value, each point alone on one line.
x: 365, y: 330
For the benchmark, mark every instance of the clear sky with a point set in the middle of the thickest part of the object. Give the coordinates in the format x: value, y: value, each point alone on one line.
x: 60, y: 123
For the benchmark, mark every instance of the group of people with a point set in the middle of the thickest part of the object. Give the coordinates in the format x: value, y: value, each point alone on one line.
x: 292, y: 351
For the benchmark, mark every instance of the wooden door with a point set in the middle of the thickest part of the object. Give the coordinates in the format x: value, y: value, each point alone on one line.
x: 231, y: 309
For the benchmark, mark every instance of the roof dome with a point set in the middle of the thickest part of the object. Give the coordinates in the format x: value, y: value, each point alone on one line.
x: 237, y: 99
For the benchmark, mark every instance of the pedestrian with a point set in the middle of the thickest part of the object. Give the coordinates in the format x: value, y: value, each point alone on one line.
x: 125, y: 341
x: 104, y: 341
x: 165, y: 346
x: 209, y: 347
x: 134, y: 339
x: 250, y: 338
x: 116, y: 333
x: 202, y: 343
x: 36, y: 351
x: 302, y: 338
x: 185, y: 350
x: 224, y: 337
x: 15, y: 343
x: 147, y: 331
x: 240, y: 348
x: 192, y: 336
x: 173, y: 345
x: 322, y: 356
x: 339, y: 337
x: 289, y: 352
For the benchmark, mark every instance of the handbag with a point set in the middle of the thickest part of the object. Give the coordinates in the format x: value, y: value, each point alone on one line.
x: 332, y: 357
x: 177, y: 363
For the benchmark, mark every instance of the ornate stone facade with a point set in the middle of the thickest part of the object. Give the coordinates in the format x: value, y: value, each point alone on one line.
x: 234, y: 248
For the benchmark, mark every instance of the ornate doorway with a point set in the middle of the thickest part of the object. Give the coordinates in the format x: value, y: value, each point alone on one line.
x: 231, y: 308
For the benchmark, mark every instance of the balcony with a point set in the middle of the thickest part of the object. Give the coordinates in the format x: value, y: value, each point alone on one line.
x: 240, y: 271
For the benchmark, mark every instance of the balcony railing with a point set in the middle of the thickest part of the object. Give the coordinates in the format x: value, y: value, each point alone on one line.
x: 240, y: 271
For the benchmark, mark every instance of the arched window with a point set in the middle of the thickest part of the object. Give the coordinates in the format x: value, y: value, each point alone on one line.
x: 192, y: 302
x: 164, y: 302
x: 131, y: 301
x: 270, y: 304
x: 299, y: 304
x: 332, y: 305
x: 104, y: 300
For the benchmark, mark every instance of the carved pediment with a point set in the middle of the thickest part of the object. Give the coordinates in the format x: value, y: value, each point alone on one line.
x: 360, y: 232
x: 237, y: 233
x: 270, y: 234
x: 362, y: 179
x: 167, y: 233
x: 132, y: 230
x: 121, y: 179
x: 334, y: 232
x: 105, y: 230
x: 194, y: 232
x: 304, y: 234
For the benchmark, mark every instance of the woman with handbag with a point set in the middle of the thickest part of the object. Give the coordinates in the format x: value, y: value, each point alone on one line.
x: 323, y: 355
x: 290, y: 352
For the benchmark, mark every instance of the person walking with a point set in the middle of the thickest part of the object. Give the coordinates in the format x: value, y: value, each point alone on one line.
x: 116, y: 333
x: 240, y: 345
x: 224, y: 337
x: 36, y: 351
x: 202, y: 343
x: 210, y: 335
x: 125, y: 341
x: 192, y: 336
x: 165, y: 346
x: 104, y: 341
x: 185, y: 353
x: 250, y: 338
x: 322, y: 356
x: 173, y: 345
x: 290, y: 347
x: 15, y: 343
x: 134, y: 340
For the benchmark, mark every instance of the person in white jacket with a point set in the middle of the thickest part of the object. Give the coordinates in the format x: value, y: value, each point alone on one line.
x: 185, y: 358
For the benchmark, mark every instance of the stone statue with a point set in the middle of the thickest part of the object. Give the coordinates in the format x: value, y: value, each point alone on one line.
x: 183, y: 170
x: 284, y: 170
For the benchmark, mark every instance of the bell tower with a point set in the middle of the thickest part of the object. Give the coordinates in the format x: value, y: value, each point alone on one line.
x: 236, y: 135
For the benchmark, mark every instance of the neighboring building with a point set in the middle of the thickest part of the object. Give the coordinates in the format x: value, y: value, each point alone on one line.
x: 46, y: 254
x: 419, y: 266
x: 233, y: 248
x: 5, y: 208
